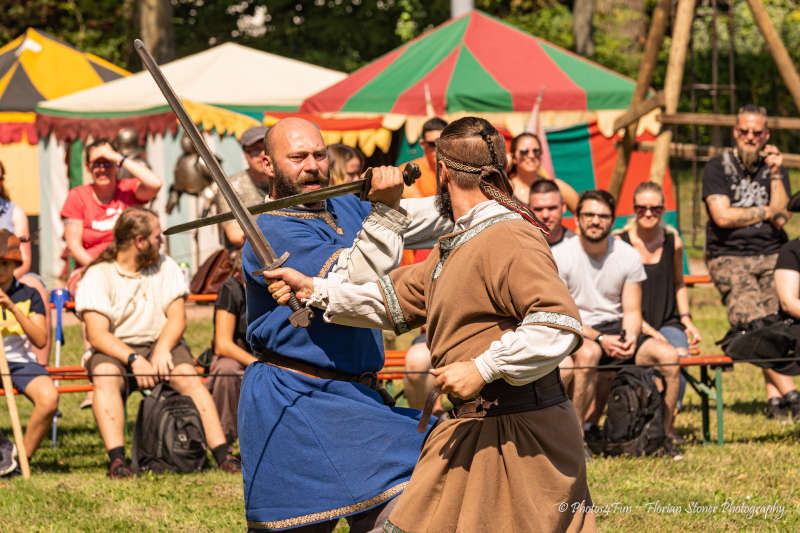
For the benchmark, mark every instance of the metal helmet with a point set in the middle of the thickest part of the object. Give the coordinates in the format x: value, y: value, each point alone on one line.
x: 127, y: 142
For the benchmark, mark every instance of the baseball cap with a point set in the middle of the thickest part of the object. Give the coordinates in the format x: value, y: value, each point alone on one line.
x: 252, y: 135
x: 9, y: 246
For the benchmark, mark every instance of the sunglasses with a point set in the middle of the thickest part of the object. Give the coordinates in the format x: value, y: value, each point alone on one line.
x: 589, y: 216
x: 745, y: 131
x: 102, y: 163
x: 535, y: 152
x: 641, y: 210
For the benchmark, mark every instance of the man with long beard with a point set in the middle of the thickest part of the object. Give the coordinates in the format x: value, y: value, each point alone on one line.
x: 499, y: 321
x: 131, y: 299
x: 318, y: 440
x: 746, y: 191
x: 604, y: 276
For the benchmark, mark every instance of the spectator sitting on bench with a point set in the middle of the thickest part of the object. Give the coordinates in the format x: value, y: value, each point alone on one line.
x: 746, y: 192
x: 604, y: 277
x: 231, y: 350
x: 549, y: 207
x: 131, y: 299
x: 23, y: 328
x: 665, y: 298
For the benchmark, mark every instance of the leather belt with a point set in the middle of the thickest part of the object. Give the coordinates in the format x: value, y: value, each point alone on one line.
x: 499, y: 398
x: 368, y: 379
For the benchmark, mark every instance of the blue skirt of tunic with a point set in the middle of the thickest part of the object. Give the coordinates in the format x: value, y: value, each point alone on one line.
x: 314, y: 449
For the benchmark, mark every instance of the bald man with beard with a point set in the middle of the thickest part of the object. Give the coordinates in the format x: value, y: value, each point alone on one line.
x: 319, y: 438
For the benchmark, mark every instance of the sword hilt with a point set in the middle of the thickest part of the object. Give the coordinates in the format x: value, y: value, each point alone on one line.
x: 411, y: 173
x: 301, y: 315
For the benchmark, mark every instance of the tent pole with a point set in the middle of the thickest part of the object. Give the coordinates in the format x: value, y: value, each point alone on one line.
x: 777, y: 49
x: 655, y: 38
x: 672, y: 84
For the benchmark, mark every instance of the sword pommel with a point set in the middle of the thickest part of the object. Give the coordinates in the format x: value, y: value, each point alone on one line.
x: 411, y: 173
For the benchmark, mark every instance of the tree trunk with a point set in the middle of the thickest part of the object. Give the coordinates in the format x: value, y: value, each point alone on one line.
x: 155, y: 21
x: 582, y: 20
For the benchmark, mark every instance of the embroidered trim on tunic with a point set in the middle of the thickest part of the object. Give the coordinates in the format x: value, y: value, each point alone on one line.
x: 309, y: 215
x: 329, y: 263
x: 448, y: 244
x: 393, y: 304
x: 329, y: 515
x: 555, y: 319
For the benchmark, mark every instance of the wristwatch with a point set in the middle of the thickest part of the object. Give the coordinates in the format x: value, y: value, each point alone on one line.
x: 599, y: 338
x: 122, y: 161
x: 132, y: 357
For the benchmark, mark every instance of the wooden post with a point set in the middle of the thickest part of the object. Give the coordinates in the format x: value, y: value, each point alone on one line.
x: 16, y: 427
x: 655, y: 38
x: 777, y: 49
x: 672, y: 84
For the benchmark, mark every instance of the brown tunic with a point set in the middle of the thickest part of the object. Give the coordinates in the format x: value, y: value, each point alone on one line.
x: 505, y: 473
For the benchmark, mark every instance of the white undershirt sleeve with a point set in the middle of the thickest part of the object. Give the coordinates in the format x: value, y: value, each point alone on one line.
x: 350, y: 304
x: 525, y: 354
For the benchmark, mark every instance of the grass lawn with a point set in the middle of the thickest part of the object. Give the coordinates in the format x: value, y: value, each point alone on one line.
x: 712, y: 488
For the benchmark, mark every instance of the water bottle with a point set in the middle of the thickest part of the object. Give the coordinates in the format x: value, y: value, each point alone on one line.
x: 187, y: 275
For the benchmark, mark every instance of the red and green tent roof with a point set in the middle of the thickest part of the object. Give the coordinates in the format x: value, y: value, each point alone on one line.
x: 478, y: 64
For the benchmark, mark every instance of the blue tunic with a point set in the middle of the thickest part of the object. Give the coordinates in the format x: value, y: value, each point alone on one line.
x: 314, y: 450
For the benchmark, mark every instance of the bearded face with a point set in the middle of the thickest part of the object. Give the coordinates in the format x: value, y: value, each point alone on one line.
x: 147, y: 256
x: 751, y: 134
x: 442, y: 202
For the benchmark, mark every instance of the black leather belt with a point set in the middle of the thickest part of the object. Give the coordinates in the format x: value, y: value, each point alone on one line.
x: 499, y: 398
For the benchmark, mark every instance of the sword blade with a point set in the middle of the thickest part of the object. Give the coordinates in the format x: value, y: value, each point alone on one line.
x: 310, y: 197
x: 301, y: 316
x: 260, y: 245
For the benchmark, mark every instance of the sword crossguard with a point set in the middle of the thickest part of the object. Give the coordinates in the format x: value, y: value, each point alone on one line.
x: 411, y: 173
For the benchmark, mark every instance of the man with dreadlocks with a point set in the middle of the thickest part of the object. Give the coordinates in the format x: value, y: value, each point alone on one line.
x: 499, y: 321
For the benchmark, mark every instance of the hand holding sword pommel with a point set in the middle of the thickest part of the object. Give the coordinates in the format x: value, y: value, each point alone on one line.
x: 301, y: 316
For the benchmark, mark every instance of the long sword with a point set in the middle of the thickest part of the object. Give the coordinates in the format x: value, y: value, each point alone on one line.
x: 361, y: 187
x: 301, y: 316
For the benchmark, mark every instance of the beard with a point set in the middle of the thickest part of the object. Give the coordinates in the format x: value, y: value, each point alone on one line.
x: 442, y: 202
x: 283, y: 186
x: 750, y: 158
x: 147, y: 257
x: 603, y: 235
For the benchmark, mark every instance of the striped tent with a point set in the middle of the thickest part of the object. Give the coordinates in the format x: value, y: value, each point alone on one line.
x: 35, y: 67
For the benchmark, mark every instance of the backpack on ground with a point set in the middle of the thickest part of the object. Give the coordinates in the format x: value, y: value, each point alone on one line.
x: 635, y: 421
x: 169, y: 434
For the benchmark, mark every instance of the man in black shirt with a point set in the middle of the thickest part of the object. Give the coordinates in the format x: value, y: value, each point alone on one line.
x: 745, y: 191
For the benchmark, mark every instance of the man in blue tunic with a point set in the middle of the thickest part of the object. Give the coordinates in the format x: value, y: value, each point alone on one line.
x: 317, y: 440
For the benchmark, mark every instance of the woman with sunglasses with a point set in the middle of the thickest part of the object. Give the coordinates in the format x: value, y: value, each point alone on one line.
x: 90, y: 211
x: 526, y: 166
x: 665, y: 298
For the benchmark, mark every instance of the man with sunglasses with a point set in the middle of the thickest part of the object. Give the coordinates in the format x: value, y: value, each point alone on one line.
x: 251, y: 184
x: 426, y: 184
x: 746, y: 192
x: 604, y: 276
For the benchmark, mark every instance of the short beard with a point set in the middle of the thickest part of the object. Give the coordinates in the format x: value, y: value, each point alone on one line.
x: 603, y: 236
x: 283, y: 186
x: 147, y: 257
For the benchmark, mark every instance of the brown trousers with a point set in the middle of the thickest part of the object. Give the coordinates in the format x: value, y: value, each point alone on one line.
x: 224, y: 383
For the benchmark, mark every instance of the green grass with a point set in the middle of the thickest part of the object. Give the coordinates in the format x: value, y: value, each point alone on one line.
x: 69, y: 490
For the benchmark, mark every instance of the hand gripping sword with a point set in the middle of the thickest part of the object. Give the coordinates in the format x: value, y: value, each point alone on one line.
x: 301, y: 316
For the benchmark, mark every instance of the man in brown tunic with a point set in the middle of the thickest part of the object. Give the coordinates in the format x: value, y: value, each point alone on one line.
x: 499, y: 320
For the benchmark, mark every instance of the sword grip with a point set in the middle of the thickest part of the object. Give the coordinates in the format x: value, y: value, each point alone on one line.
x: 301, y: 317
x: 411, y: 173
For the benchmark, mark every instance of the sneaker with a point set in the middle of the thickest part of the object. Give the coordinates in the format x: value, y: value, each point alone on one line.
x: 8, y: 456
x: 792, y: 400
x: 119, y: 470
x: 777, y: 409
x: 231, y: 464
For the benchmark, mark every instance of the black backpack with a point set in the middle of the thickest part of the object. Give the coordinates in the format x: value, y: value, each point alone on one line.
x: 169, y: 433
x: 635, y: 420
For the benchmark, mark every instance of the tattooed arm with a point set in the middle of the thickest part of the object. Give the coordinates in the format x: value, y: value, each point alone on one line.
x: 725, y: 216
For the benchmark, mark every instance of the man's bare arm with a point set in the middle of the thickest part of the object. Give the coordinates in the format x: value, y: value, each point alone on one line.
x: 725, y: 216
